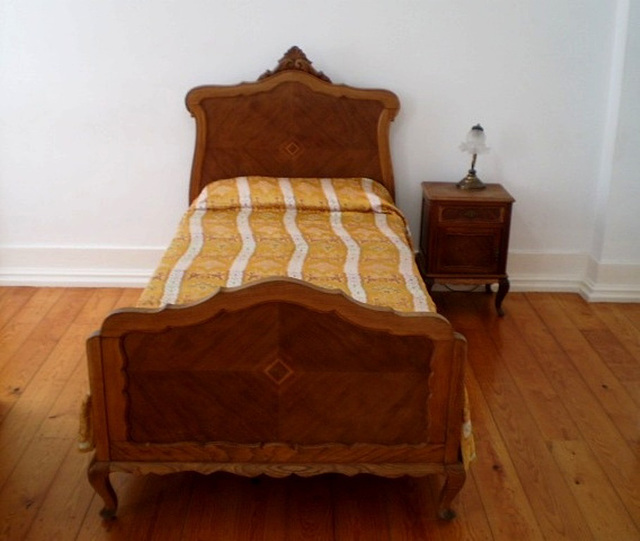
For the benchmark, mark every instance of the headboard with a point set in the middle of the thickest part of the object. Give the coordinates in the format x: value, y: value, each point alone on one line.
x: 292, y: 122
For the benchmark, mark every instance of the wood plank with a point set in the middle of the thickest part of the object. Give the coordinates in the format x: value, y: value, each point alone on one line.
x: 472, y: 523
x: 541, y: 344
x: 24, y: 430
x: 172, y: 504
x: 514, y: 362
x: 611, y: 449
x: 24, y: 363
x: 508, y: 509
x: 155, y: 492
x: 12, y: 301
x: 619, y: 321
x: 622, y: 363
x: 600, y: 504
x: 555, y: 507
x: 613, y: 396
x: 215, y: 507
x: 263, y: 511
x: 63, y: 415
x: 16, y: 331
x: 411, y: 505
x: 501, y: 362
x: 129, y: 297
x: 66, y: 502
x: 308, y: 513
x: 130, y: 489
x: 360, y: 497
x: 52, y: 372
x: 24, y: 492
x: 633, y: 387
x: 631, y: 311
x: 411, y: 510
x: 580, y: 312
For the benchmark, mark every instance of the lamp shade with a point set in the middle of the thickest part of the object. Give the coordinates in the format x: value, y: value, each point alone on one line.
x: 475, y: 143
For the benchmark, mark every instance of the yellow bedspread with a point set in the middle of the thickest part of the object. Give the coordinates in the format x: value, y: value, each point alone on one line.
x: 335, y: 233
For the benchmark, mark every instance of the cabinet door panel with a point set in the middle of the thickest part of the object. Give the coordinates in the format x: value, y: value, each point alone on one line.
x: 467, y: 252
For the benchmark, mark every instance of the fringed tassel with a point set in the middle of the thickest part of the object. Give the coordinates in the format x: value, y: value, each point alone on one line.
x: 85, y: 433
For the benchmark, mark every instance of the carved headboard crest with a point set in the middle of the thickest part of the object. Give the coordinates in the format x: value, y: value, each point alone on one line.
x: 295, y: 59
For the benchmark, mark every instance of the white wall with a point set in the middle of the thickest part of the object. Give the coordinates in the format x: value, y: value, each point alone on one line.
x: 623, y: 219
x: 96, y: 145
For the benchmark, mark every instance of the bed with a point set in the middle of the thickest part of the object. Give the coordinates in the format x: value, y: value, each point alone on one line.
x: 324, y: 355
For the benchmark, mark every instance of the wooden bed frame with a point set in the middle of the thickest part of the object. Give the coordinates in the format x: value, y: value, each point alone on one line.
x: 280, y: 377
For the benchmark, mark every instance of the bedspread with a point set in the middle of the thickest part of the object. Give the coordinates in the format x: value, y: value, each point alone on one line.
x: 341, y: 234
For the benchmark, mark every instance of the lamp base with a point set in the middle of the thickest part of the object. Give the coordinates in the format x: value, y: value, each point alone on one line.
x: 471, y: 182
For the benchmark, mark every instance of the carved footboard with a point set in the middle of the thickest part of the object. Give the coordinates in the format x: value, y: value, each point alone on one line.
x: 276, y: 378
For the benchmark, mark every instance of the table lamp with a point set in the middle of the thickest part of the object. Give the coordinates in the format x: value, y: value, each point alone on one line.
x: 475, y: 144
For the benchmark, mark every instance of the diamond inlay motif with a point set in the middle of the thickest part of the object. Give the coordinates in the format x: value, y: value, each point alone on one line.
x: 292, y: 148
x: 278, y: 371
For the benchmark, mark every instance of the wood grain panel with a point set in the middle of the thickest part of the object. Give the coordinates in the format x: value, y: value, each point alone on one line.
x: 291, y: 124
x: 291, y: 131
x: 302, y: 379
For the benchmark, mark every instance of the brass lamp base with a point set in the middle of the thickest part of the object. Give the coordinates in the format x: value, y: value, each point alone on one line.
x: 471, y: 182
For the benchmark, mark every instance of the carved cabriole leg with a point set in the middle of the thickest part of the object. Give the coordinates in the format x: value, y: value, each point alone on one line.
x: 503, y: 289
x: 455, y: 476
x: 98, y: 474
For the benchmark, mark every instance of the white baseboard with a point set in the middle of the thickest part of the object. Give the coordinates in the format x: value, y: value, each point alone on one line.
x: 74, y: 277
x: 80, y: 266
x: 576, y: 273
x: 612, y: 282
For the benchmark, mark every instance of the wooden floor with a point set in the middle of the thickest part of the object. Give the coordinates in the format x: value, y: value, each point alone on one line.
x: 555, y: 392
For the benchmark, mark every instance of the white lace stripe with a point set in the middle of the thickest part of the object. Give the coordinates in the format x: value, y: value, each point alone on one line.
x: 294, y: 269
x: 174, y: 280
x: 239, y: 265
x: 353, y: 250
x: 405, y: 266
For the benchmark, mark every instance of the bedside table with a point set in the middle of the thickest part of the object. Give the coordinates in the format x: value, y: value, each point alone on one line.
x: 464, y: 236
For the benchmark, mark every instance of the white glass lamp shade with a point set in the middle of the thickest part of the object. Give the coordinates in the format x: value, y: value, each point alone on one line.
x: 475, y: 143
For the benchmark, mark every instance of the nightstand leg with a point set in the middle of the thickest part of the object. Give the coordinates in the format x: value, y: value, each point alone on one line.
x: 503, y: 289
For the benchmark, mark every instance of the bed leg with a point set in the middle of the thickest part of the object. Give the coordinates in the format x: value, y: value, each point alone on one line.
x: 455, y: 476
x: 98, y: 474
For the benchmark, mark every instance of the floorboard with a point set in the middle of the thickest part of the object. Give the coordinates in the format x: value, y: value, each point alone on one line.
x: 555, y: 394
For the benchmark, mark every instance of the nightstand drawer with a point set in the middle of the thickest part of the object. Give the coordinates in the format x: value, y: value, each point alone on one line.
x: 471, y: 214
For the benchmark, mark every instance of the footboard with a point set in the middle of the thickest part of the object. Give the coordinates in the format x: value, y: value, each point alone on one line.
x: 278, y: 377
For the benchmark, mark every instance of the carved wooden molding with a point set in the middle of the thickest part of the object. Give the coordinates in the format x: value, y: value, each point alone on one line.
x: 295, y: 59
x: 279, y: 453
x: 389, y: 470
